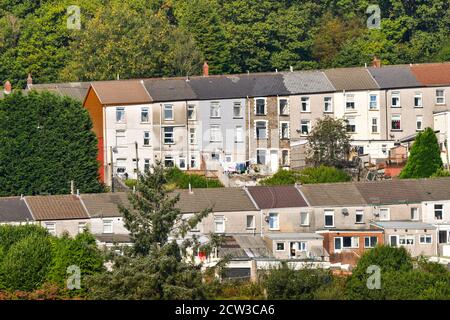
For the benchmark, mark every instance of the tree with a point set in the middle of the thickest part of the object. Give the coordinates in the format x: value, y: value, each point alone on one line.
x: 321, y: 174
x: 25, y: 265
x: 45, y: 142
x: 425, y: 157
x: 329, y: 142
x: 157, y: 266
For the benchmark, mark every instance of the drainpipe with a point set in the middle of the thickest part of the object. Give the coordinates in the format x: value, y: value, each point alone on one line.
x: 187, y: 137
x: 249, y: 129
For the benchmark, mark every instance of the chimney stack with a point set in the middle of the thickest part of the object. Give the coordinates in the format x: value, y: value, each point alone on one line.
x: 376, y: 63
x: 205, y: 69
x: 29, y: 81
x: 7, y: 87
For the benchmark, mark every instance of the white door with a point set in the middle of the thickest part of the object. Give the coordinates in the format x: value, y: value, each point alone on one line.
x: 274, y: 160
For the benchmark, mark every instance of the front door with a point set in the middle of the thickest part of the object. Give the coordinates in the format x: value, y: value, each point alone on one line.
x: 274, y: 160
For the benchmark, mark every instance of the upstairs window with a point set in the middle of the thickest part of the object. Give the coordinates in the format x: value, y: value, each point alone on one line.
x: 351, y: 125
x: 438, y: 209
x: 121, y: 139
x: 284, y: 130
x: 305, y: 107
x: 395, y: 99
x: 327, y: 104
x: 168, y: 135
x: 304, y: 218
x: 239, y: 134
x: 192, y: 136
x: 260, y: 107
x: 418, y: 100
x: 329, y: 218
x: 396, y: 120
x: 146, y: 138
x: 419, y: 123
x: 107, y: 226
x: 359, y: 216
x: 250, y: 222
x: 219, y: 224
x: 414, y: 213
x: 350, y: 102
x: 145, y: 115
x: 216, y: 134
x: 192, y: 114
x: 373, y: 102
x: 120, y: 115
x: 305, y: 127
x: 51, y: 227
x: 168, y: 112
x: 261, y: 157
x: 385, y: 214
x: 215, y: 110
x: 440, y: 96
x: 283, y: 106
x: 274, y: 221
x: 237, y: 110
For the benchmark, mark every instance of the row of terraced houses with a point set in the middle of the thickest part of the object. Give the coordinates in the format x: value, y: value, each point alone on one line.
x: 325, y: 225
x: 218, y: 122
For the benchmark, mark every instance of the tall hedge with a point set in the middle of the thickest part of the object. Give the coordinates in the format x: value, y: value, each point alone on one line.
x: 45, y: 142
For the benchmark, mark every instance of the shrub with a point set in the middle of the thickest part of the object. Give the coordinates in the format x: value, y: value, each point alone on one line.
x: 182, y: 180
x: 11, y: 234
x: 26, y: 264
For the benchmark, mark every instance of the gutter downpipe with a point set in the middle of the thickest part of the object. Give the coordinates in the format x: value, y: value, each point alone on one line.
x: 249, y: 129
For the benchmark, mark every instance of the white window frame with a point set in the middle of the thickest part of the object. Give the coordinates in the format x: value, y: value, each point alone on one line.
x: 406, y: 239
x: 288, y: 157
x: 306, y: 223
x: 419, y: 97
x: 440, y: 97
x: 192, y: 136
x: 416, y: 209
x: 145, y: 110
x: 425, y: 237
x: 121, y: 135
x: 288, y: 130
x: 307, y: 123
x: 169, y: 137
x: 241, y: 114
x: 265, y: 107
x: 253, y: 222
x: 388, y: 210
x: 376, y: 101
x: 168, y: 108
x: 147, y: 138
x: 267, y: 129
x: 147, y: 164
x: 192, y: 110
x: 371, y: 245
x: 328, y: 212
x: 192, y: 160
x: 419, y: 119
x: 185, y: 163
x: 239, y: 134
x: 280, y: 250
x: 441, y: 210
x: 218, y: 219
x: 215, y: 133
x: 287, y: 106
x: 396, y: 117
x: 351, y: 121
x: 396, y: 94
x: 329, y: 103
x: 51, y: 227
x: 350, y: 98
x: 277, y: 215
x: 121, y: 110
x: 105, y: 223
x: 374, y: 125
x: 214, y: 106
x: 359, y: 212
x: 396, y: 241
x: 305, y: 101
x: 168, y: 158
x: 302, y: 246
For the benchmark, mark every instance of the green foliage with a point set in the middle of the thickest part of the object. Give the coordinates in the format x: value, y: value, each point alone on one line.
x: 25, y: 265
x: 329, y: 142
x: 441, y: 173
x: 425, y: 157
x: 182, y: 180
x: 321, y: 174
x: 10, y: 234
x: 81, y: 252
x: 285, y: 283
x: 45, y: 142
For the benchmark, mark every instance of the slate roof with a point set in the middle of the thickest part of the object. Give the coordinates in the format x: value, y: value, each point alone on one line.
x: 14, y: 209
x: 400, y: 191
x: 396, y: 76
x: 220, y: 199
x: 277, y: 197
x: 300, y: 82
x: 113, y: 238
x: 121, y: 92
x: 104, y: 204
x: 58, y: 207
x: 163, y: 90
x: 351, y: 79
x: 293, y: 236
x: 332, y: 194
x: 413, y: 225
x: 75, y: 90
x: 432, y: 74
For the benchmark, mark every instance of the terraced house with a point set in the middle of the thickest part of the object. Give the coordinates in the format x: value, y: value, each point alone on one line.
x: 215, y: 123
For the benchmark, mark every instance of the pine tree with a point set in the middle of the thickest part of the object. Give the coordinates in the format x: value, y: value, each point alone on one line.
x: 425, y: 157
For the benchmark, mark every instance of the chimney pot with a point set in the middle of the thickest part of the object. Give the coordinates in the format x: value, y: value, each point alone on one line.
x: 7, y: 87
x: 376, y: 63
x: 205, y: 69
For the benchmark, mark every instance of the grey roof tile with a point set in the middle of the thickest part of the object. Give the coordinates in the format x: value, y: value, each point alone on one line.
x: 14, y: 209
x: 277, y: 197
x: 397, y: 76
x: 300, y: 82
x: 351, y: 79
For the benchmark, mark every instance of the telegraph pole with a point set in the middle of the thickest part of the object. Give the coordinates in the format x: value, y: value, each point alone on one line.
x: 112, y: 169
x: 137, y: 161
